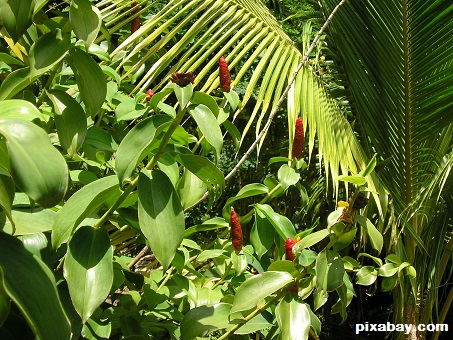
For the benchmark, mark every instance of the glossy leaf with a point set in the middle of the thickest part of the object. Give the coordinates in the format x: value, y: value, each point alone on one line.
x: 16, y: 17
x: 48, y: 51
x: 206, y: 100
x: 239, y: 262
x: 7, y: 190
x: 258, y: 287
x: 5, y: 301
x: 376, y: 239
x: 70, y: 121
x: 14, y: 82
x: 90, y: 79
x: 135, y: 145
x: 30, y: 283
x: 354, y: 179
x: 27, y: 222
x: 84, y: 202
x: 37, y: 167
x: 183, y: 94
x: 88, y: 269
x: 281, y: 224
x: 287, y: 176
x: 85, y: 20
x: 310, y: 240
x: 293, y: 318
x: 388, y: 269
x: 20, y: 109
x: 208, y: 125
x: 160, y: 215
x: 366, y: 275
x: 248, y: 190
x: 262, y: 234
x: 190, y: 189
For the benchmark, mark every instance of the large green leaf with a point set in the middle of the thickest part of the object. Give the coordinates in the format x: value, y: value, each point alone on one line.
x: 20, y: 109
x: 70, y: 121
x: 135, y: 146
x: 88, y: 269
x: 160, y: 214
x: 48, y: 51
x: 293, y: 317
x: 27, y: 222
x: 37, y: 167
x: 190, y: 189
x: 84, y: 202
x: 16, y: 17
x: 90, y: 79
x: 7, y: 190
x: 208, y: 125
x: 281, y: 224
x: 249, y: 190
x: 31, y: 285
x: 258, y: 287
x: 262, y: 234
x: 14, y: 82
x: 5, y: 301
x: 85, y: 20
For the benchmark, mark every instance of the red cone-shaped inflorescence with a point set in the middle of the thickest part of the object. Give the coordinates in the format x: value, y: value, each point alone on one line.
x: 289, y: 244
x: 298, y: 145
x: 236, y: 231
x: 224, y: 75
x: 135, y: 23
x: 149, y: 95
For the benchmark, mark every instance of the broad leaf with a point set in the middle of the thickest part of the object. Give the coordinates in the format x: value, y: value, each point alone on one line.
x: 16, y: 17
x: 90, y: 79
x: 287, y: 176
x: 20, y: 109
x: 7, y: 190
x: 190, y: 189
x: 30, y: 283
x: 88, y: 269
x: 84, y: 202
x: 310, y: 240
x: 281, y: 223
x: 37, y: 167
x: 26, y: 222
x: 134, y: 146
x: 293, y: 318
x: 376, y: 238
x: 160, y: 214
x: 48, y: 51
x: 262, y: 234
x: 85, y: 20
x: 258, y: 287
x: 70, y: 121
x: 249, y: 190
x: 14, y: 83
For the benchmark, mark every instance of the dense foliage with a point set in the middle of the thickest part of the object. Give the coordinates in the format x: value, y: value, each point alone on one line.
x: 126, y: 214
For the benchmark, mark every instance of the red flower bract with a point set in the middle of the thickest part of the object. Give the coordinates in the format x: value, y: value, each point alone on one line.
x: 298, y: 144
x: 289, y: 244
x: 224, y: 75
x: 149, y: 95
x: 135, y: 23
x: 236, y: 231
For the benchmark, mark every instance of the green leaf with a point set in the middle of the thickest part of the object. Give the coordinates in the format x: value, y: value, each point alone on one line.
x: 239, y: 262
x: 160, y: 215
x: 281, y: 224
x: 135, y: 146
x: 90, y: 79
x: 208, y: 125
x: 355, y: 179
x: 88, y: 269
x: 7, y: 190
x: 335, y: 273
x: 48, y: 51
x: 5, y: 301
x: 287, y: 176
x: 310, y: 240
x: 30, y: 283
x: 233, y: 99
x: 14, y: 82
x: 205, y: 99
x: 26, y: 222
x: 366, y: 275
x: 388, y: 269
x: 183, y: 94
x: 85, y: 20
x: 20, y: 109
x: 262, y: 234
x: 249, y: 190
x: 376, y: 239
x: 84, y: 202
x: 283, y: 266
x: 293, y: 318
x: 16, y: 17
x: 38, y: 168
x: 70, y: 121
x: 369, y: 168
x: 190, y: 189
x: 258, y: 287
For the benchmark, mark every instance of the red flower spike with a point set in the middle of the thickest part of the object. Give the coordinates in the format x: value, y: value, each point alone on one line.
x: 135, y: 23
x: 236, y: 231
x: 149, y: 95
x: 289, y: 244
x: 298, y: 144
x: 224, y: 75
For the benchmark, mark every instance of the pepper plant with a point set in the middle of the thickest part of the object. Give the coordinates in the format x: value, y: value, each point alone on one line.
x: 95, y: 176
